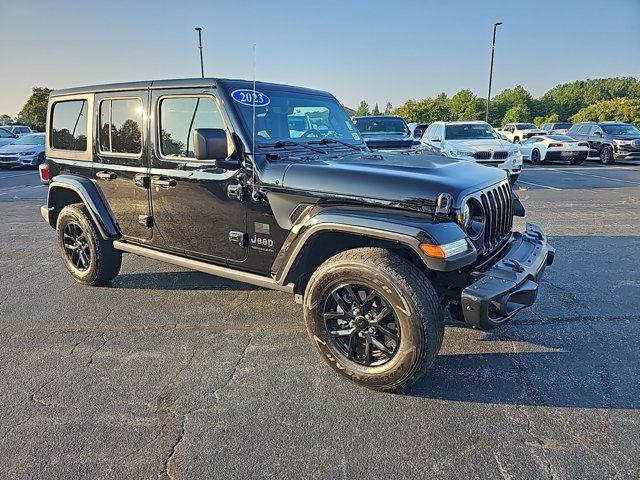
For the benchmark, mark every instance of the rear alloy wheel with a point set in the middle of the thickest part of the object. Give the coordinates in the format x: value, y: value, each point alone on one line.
x: 606, y: 156
x: 535, y: 157
x: 374, y: 317
x: 90, y: 259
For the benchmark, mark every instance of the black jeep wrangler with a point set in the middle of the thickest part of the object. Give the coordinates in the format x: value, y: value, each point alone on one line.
x: 218, y: 176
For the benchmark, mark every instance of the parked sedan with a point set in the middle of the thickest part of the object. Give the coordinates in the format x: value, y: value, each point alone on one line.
x: 543, y: 148
x: 18, y: 130
x: 26, y: 151
x: 385, y: 132
x: 6, y: 137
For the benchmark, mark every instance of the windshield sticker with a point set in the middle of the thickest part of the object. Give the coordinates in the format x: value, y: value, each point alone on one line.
x: 355, y: 136
x: 250, y: 97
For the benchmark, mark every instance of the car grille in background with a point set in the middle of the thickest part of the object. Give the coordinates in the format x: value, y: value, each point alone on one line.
x: 498, y: 206
x: 482, y: 155
x: 500, y: 155
x: 8, y: 159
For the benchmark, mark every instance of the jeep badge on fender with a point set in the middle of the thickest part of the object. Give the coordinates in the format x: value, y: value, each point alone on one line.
x: 272, y: 185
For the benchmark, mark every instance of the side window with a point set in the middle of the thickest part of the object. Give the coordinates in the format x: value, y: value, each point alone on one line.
x: 584, y: 130
x: 121, y: 126
x: 69, y: 125
x: 438, y: 132
x: 596, y: 129
x: 5, y: 133
x: 179, y: 117
x: 428, y: 135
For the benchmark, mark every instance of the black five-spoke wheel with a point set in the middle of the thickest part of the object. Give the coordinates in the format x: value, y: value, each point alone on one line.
x: 77, y: 246
x: 361, y: 324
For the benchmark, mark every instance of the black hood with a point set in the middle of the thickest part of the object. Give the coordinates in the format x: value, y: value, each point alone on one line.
x: 397, y: 179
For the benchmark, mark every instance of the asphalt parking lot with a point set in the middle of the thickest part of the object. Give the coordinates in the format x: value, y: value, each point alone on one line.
x: 172, y: 373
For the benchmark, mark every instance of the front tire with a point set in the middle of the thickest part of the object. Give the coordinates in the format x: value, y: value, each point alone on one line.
x: 90, y: 259
x: 606, y: 156
x: 374, y: 317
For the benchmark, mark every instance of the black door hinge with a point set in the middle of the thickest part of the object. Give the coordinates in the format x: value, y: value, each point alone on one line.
x: 239, y: 238
x: 141, y: 180
x: 146, y: 220
x: 235, y: 192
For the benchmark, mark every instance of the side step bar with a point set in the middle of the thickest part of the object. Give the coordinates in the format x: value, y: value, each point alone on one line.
x: 225, y: 272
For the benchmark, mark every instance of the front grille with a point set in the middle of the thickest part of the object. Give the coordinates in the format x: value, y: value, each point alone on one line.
x: 8, y: 159
x: 500, y: 155
x: 497, y: 203
x: 482, y: 155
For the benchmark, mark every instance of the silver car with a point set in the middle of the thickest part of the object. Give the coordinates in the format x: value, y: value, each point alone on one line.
x: 27, y: 151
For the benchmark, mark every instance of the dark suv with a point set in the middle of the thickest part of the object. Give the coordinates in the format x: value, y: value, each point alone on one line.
x: 610, y: 141
x: 209, y: 174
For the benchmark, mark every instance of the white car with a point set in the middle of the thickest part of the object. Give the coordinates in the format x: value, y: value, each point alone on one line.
x: 519, y: 132
x: 543, y: 148
x: 18, y: 130
x: 474, y: 142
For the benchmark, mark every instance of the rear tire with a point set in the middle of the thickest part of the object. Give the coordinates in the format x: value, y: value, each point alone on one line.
x: 536, y: 158
x: 606, y: 156
x: 41, y: 160
x: 90, y: 259
x: 358, y: 286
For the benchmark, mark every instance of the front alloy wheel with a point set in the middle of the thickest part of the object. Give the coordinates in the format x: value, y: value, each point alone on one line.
x: 361, y: 324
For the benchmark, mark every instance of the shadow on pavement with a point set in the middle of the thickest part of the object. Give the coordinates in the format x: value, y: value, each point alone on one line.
x: 177, y: 281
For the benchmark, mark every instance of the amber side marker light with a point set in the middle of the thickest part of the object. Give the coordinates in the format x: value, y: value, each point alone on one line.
x: 444, y: 251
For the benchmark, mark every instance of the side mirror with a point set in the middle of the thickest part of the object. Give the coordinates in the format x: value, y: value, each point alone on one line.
x: 210, y: 143
x: 598, y: 134
x: 417, y: 133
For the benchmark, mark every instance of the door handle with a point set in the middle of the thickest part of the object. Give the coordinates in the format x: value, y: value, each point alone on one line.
x: 165, y: 182
x: 106, y: 175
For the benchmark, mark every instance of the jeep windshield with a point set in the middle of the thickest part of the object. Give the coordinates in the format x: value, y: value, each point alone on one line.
x: 291, y: 118
x: 374, y: 126
x: 469, y: 131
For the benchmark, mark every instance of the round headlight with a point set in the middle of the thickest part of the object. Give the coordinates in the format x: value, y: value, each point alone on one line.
x: 471, y: 218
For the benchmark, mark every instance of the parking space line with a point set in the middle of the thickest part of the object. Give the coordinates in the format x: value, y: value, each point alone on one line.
x: 21, y: 187
x: 18, y: 175
x: 538, y: 185
x: 601, y: 176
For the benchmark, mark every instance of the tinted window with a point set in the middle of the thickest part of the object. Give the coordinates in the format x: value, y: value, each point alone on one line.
x: 121, y: 125
x: 584, y: 129
x: 179, y: 117
x: 69, y: 125
x: 621, y: 129
x: 465, y: 131
x: 562, y: 126
x: 525, y: 126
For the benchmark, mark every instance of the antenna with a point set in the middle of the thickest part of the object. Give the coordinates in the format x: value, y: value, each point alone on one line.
x: 254, y: 192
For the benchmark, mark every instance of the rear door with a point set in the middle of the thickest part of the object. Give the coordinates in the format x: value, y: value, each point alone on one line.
x: 121, y: 162
x: 193, y: 212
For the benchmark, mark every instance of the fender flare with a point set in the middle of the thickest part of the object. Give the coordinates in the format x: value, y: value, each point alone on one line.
x: 408, y: 232
x: 92, y: 198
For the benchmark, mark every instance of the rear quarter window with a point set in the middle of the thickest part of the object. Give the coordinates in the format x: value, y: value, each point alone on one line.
x: 69, y: 125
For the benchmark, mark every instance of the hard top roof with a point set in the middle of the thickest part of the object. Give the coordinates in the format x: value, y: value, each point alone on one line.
x: 181, y: 83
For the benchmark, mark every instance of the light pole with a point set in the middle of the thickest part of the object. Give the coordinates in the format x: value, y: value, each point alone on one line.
x: 493, y: 48
x: 199, y: 30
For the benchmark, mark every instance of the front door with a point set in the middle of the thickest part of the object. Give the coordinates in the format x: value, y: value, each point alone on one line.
x: 192, y: 211
x: 121, y: 161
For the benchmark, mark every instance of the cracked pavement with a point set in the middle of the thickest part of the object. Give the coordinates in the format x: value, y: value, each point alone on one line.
x: 173, y: 374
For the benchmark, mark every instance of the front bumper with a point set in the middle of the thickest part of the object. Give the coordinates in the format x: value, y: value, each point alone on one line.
x: 626, y: 152
x: 510, y: 284
x: 18, y: 161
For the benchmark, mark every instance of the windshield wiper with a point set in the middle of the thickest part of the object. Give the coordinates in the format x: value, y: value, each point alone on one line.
x: 291, y: 143
x: 326, y: 141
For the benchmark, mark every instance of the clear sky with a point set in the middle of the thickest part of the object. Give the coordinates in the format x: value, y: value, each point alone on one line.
x: 374, y: 50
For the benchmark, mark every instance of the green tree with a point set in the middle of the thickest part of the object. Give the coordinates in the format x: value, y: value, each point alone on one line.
x: 568, y: 98
x: 34, y: 112
x: 427, y: 110
x: 5, y: 119
x: 376, y: 110
x: 465, y: 105
x: 388, y: 109
x: 363, y: 109
x: 506, y: 100
x: 618, y: 109
x: 548, y: 119
x: 519, y: 113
